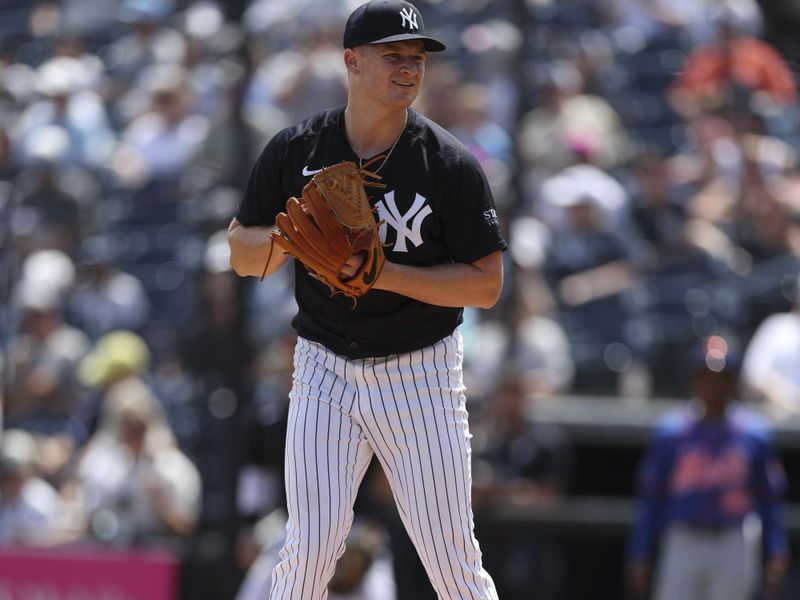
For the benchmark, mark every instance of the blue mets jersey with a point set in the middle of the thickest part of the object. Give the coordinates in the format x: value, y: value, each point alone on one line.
x: 710, y: 475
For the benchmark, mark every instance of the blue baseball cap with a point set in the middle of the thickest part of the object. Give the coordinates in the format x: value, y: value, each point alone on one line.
x: 384, y: 21
x: 714, y: 354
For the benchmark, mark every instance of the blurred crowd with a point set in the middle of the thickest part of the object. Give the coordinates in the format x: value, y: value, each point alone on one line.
x: 644, y: 160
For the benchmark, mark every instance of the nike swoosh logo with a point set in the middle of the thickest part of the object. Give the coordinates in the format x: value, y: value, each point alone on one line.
x: 308, y: 172
x: 370, y: 275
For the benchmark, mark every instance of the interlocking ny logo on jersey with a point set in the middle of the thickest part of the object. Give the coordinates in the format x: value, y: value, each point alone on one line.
x: 411, y: 17
x: 388, y: 212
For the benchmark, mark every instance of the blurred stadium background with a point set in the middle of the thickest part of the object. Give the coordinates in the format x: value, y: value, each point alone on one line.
x: 644, y: 159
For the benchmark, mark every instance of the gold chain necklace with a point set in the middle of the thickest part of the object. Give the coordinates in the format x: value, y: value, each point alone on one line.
x: 389, y: 153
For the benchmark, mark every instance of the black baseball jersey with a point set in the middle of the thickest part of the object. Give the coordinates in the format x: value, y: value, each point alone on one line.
x: 437, y: 208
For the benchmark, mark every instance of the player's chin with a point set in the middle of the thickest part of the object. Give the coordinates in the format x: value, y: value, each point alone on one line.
x: 405, y: 93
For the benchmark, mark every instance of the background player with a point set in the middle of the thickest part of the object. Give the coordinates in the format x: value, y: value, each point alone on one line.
x: 710, y: 469
x: 384, y: 378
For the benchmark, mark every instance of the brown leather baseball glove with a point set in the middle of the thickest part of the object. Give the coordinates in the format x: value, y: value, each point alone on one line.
x: 331, y: 222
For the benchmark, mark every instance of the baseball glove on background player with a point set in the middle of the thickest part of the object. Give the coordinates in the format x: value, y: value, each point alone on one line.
x: 331, y: 222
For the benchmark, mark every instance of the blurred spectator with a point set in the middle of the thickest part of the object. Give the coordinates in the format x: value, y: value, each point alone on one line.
x: 763, y: 223
x: 711, y: 152
x: 518, y: 463
x: 734, y: 180
x: 485, y: 138
x: 44, y: 351
x: 160, y: 143
x: 516, y: 460
x: 148, y: 41
x: 73, y: 44
x: 114, y: 357
x: 680, y: 258
x: 540, y: 348
x: 48, y: 271
x: 304, y: 78
x: 710, y: 482
x: 48, y: 215
x: 30, y: 509
x: 442, y: 82
x: 741, y: 210
x: 652, y: 19
x: 90, y: 18
x: 769, y: 371
x: 263, y: 435
x: 581, y: 184
x: 657, y: 211
x: 277, y: 299
x: 139, y: 488
x: 236, y: 136
x: 568, y: 125
x: 363, y: 571
x: 214, y: 344
x: 67, y: 100
x: 588, y: 267
x: 485, y: 345
x: 717, y: 73
x: 105, y: 298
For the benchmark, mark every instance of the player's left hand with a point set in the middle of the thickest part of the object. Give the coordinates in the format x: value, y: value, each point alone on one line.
x: 332, y: 230
x: 637, y: 579
x: 774, y: 574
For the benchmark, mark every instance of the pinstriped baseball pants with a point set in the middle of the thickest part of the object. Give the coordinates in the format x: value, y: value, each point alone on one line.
x: 409, y: 410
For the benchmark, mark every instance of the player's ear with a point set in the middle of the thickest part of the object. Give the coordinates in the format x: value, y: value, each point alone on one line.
x: 351, y: 60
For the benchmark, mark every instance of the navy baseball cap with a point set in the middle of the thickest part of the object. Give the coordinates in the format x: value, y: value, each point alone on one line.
x: 714, y: 354
x: 384, y: 21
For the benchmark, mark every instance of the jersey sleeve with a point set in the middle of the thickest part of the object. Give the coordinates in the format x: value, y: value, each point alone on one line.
x: 769, y: 487
x: 264, y: 197
x: 472, y: 228
x: 652, y: 490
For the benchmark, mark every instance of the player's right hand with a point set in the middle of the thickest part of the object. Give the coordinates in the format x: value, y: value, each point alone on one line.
x: 637, y: 579
x: 774, y: 574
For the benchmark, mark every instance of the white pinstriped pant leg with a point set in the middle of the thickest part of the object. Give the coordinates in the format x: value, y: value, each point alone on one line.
x: 409, y: 410
x: 413, y: 411
x: 327, y: 456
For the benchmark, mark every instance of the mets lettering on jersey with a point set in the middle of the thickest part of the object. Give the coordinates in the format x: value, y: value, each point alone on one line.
x: 709, y: 475
x: 697, y: 469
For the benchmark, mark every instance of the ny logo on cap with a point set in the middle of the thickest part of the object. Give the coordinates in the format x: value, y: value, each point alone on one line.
x: 409, y: 15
